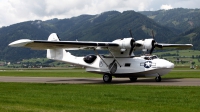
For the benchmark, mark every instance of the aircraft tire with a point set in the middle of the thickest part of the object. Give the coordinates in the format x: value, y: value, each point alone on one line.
x: 133, y: 79
x: 107, y: 78
x: 158, y: 79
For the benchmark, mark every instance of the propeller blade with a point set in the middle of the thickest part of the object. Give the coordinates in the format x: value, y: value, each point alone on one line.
x: 132, y: 43
x: 153, y: 46
x: 152, y: 34
x: 151, y: 50
x: 130, y: 33
x: 132, y: 46
x: 131, y: 50
x: 153, y: 43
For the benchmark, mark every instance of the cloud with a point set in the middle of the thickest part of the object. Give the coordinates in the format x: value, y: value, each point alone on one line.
x: 166, y: 7
x: 14, y: 11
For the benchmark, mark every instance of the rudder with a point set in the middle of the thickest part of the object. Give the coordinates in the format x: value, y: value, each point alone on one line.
x: 55, y: 53
x: 53, y: 37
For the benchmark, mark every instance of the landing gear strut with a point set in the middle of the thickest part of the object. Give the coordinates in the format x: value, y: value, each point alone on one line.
x: 158, y: 79
x: 107, y: 78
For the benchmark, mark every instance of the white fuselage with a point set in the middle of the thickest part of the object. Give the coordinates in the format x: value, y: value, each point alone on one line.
x: 134, y: 67
x: 142, y: 66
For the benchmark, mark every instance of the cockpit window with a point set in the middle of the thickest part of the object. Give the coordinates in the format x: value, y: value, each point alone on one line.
x: 147, y: 58
x: 154, y: 57
x: 150, y: 57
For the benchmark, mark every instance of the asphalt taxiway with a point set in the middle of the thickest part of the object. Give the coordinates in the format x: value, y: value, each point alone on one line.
x: 125, y: 81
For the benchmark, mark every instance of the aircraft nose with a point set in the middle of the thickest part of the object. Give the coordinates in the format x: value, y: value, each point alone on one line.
x: 170, y: 65
x: 165, y: 64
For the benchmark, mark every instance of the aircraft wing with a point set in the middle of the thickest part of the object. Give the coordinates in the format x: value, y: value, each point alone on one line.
x: 173, y: 46
x: 68, y: 45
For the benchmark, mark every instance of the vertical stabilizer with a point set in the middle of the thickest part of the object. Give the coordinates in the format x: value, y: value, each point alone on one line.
x: 58, y: 53
x: 53, y: 37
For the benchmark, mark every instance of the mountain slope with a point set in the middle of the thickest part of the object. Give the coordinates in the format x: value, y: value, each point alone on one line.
x: 191, y: 36
x: 107, y: 26
x: 179, y: 19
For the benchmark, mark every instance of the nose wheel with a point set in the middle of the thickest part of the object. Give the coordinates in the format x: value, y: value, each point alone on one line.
x: 158, y: 79
x: 107, y: 78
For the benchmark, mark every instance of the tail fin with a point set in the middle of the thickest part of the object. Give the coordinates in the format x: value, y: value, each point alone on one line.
x: 56, y: 54
x: 61, y: 54
x: 53, y: 37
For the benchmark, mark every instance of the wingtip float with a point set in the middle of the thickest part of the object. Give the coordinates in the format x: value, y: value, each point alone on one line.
x: 20, y: 43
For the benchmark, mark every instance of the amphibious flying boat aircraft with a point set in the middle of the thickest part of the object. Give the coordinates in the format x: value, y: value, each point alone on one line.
x: 121, y: 61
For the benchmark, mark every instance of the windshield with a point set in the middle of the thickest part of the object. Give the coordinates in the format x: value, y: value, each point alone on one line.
x: 150, y: 57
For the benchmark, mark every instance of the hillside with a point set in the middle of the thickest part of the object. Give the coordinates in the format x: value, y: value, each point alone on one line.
x: 191, y: 36
x: 179, y: 19
x: 106, y: 26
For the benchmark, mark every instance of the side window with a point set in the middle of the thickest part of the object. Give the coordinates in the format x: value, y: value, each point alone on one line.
x: 127, y: 65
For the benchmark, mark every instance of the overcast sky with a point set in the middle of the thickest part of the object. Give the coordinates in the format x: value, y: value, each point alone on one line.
x: 15, y: 11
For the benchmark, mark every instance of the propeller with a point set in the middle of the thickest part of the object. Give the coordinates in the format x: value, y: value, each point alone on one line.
x: 131, y: 42
x: 154, y: 43
x: 152, y: 34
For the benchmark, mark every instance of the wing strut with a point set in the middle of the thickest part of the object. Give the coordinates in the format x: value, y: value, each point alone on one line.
x: 101, y: 57
x: 114, y: 57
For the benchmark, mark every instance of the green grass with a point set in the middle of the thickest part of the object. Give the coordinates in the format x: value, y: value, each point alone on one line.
x: 176, y: 73
x: 19, y: 97
x: 183, y: 74
x: 49, y: 73
x: 185, y: 55
x: 181, y: 52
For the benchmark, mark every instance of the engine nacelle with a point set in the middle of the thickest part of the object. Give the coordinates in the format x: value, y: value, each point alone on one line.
x: 145, y: 44
x: 125, y: 43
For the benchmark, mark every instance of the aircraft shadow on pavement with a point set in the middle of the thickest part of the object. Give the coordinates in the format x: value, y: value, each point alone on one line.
x: 114, y: 81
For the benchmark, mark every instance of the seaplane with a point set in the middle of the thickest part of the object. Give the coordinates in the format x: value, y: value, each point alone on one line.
x: 120, y: 62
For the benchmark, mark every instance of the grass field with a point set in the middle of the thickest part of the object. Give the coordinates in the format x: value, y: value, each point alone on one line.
x: 49, y: 73
x: 33, y: 97
x: 176, y: 73
x: 185, y: 55
x: 97, y: 98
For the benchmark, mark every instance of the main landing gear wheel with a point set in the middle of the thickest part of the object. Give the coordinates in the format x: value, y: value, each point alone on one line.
x: 107, y: 78
x: 133, y: 79
x: 158, y: 79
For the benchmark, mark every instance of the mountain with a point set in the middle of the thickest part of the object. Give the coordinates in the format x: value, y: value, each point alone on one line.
x: 179, y: 19
x: 106, y: 26
x: 191, y: 36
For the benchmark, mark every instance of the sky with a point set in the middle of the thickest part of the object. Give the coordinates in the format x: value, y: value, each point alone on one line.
x: 15, y: 11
